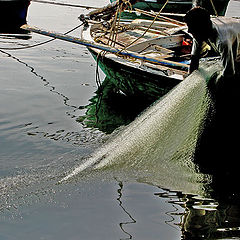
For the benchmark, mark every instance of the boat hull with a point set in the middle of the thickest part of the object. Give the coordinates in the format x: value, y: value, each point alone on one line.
x: 13, y: 14
x: 173, y: 6
x: 142, y: 83
x: 177, y: 6
x: 137, y: 82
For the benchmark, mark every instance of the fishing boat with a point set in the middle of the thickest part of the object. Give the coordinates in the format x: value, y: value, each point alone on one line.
x: 143, y: 58
x: 13, y: 14
x: 159, y: 55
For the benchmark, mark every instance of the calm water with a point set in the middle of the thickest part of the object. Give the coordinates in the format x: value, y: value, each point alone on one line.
x: 139, y: 182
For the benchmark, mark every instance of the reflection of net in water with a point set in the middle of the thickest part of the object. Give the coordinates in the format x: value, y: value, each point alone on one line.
x: 160, y: 143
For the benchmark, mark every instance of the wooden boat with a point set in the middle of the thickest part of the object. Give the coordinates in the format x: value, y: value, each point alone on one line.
x: 143, y: 58
x: 162, y: 49
x: 13, y: 14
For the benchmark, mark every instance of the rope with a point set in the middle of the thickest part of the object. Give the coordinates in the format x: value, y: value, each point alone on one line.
x: 116, y: 22
x: 214, y: 9
x: 147, y: 28
x: 64, y: 4
x: 111, y: 41
x: 128, y: 3
x: 113, y: 27
x: 41, y: 43
x: 100, y: 88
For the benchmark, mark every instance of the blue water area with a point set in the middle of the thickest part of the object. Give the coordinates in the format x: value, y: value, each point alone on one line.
x: 76, y: 165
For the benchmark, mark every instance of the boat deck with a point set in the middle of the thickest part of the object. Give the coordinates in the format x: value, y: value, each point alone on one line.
x: 150, y: 40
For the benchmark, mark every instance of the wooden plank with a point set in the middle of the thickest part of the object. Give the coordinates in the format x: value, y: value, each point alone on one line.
x: 64, y: 4
x: 165, y: 42
x: 156, y: 55
x: 147, y: 23
x: 162, y: 49
x: 155, y: 30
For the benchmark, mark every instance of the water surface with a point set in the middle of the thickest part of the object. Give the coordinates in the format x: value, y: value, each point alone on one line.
x: 143, y: 183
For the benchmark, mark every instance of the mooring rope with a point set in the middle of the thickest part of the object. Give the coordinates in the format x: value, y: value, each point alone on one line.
x: 111, y: 42
x: 42, y: 43
x: 99, y: 87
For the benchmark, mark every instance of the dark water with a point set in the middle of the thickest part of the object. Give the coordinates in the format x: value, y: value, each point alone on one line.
x: 146, y: 184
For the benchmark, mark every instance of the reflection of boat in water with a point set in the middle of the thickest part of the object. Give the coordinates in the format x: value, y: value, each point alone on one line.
x: 192, y: 216
x: 109, y: 110
x: 201, y: 218
x: 13, y: 14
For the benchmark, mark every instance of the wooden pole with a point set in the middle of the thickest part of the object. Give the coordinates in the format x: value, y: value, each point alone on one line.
x: 106, y: 48
x: 64, y: 4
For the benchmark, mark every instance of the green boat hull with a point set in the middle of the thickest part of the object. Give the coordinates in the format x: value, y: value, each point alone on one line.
x: 177, y: 6
x: 134, y: 81
x: 138, y: 82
